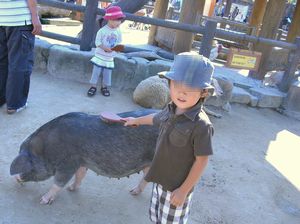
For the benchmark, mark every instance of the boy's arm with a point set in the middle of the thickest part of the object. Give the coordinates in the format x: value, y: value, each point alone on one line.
x: 178, y: 196
x: 145, y: 120
x: 37, y: 26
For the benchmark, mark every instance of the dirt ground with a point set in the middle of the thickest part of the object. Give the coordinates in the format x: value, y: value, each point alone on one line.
x: 253, y: 176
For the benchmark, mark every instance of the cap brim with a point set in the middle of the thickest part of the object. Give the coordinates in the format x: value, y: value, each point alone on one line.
x: 166, y: 75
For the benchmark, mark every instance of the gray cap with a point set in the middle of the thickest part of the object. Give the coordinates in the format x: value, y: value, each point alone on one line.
x: 192, y: 69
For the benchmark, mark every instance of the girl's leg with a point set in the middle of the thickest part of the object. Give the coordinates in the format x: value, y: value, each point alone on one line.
x: 94, y: 80
x: 106, y: 82
x: 95, y: 75
x: 142, y: 184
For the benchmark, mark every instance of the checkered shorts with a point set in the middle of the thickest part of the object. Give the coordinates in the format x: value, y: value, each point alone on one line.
x: 162, y: 212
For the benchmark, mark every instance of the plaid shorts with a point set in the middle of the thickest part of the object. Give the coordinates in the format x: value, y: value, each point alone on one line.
x: 162, y: 212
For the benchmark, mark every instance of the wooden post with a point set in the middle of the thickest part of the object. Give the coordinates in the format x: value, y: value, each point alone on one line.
x: 271, y: 21
x: 289, y: 74
x: 183, y: 40
x: 294, y: 29
x: 160, y: 11
x: 78, y: 15
x: 227, y: 12
x: 88, y: 25
x: 209, y: 34
x: 257, y: 14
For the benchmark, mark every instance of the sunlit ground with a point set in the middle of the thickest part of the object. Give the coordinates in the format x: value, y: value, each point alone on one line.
x: 129, y: 35
x: 284, y: 155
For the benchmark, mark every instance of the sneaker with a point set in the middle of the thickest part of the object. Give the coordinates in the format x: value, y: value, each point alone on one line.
x: 12, y: 111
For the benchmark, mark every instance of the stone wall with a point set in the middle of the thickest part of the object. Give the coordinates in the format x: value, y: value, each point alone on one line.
x: 71, y: 64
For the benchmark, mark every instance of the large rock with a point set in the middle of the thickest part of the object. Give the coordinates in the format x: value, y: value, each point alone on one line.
x: 128, y: 73
x: 47, y: 11
x: 268, y: 97
x: 70, y: 64
x: 240, y: 95
x: 292, y: 101
x: 224, y: 99
x: 41, y: 54
x: 152, y: 92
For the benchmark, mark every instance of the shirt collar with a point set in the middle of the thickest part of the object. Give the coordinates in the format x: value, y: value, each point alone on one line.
x: 192, y: 113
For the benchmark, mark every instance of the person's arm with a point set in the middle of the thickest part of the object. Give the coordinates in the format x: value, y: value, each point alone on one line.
x: 145, y: 120
x: 37, y: 26
x: 178, y: 196
x: 99, y: 40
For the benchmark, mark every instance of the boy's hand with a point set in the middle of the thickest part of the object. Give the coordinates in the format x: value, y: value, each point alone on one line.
x: 130, y: 121
x: 178, y: 197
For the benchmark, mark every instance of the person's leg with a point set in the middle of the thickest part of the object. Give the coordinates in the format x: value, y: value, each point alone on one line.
x: 94, y: 80
x: 79, y: 175
x: 106, y: 82
x: 20, y: 62
x: 142, y: 184
x: 3, y: 64
x: 168, y: 213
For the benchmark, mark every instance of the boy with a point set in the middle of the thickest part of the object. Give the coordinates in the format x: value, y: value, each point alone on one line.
x: 184, y: 141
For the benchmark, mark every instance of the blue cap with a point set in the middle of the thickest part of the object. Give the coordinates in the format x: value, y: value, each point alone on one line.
x: 192, y: 69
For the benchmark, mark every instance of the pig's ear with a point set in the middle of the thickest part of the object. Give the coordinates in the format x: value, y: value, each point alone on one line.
x: 21, y: 164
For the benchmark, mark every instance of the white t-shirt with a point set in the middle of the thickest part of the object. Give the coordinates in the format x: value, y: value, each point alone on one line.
x: 14, y: 13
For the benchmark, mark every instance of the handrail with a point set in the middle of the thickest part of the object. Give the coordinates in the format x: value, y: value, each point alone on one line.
x: 220, y: 33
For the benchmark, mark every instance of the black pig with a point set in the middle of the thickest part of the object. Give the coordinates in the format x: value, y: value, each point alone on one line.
x: 74, y: 140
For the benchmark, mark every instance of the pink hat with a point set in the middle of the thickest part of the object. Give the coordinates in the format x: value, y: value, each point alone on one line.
x: 113, y: 13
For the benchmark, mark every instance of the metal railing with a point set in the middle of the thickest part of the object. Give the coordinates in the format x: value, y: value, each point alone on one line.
x: 209, y: 31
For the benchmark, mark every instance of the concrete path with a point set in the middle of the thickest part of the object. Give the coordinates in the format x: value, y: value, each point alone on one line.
x: 242, y: 184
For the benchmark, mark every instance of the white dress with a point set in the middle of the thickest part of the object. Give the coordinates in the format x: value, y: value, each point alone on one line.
x: 107, y: 37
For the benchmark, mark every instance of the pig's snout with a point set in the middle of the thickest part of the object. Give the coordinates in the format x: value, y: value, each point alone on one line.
x: 18, y: 179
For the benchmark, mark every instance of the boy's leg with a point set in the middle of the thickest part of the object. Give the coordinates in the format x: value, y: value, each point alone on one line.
x: 142, y: 184
x: 79, y: 175
x: 161, y: 211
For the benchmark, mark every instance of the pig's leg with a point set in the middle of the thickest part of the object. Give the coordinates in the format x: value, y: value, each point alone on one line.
x: 142, y: 184
x: 79, y: 175
x: 63, y: 174
x: 49, y: 197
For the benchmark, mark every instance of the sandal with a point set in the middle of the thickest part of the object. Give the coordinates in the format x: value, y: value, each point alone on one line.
x: 105, y: 91
x: 92, y: 91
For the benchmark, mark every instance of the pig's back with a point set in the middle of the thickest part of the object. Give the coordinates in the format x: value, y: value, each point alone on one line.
x: 108, y: 149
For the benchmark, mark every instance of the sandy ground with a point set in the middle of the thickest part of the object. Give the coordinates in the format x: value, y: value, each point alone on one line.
x: 253, y: 176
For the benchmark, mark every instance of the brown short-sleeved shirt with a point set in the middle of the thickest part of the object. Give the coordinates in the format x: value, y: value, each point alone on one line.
x: 181, y: 138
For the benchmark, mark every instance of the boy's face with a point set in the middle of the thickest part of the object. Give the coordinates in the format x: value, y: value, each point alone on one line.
x: 114, y: 23
x: 184, y: 96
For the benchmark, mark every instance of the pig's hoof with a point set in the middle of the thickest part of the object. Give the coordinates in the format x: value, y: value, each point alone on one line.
x: 47, y: 199
x: 136, y: 191
x: 73, y: 187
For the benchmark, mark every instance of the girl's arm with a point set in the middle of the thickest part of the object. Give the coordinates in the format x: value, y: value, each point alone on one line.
x: 178, y: 196
x: 37, y: 26
x: 106, y: 49
x: 145, y: 120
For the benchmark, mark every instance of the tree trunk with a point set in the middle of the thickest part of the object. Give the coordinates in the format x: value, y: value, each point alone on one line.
x: 294, y: 29
x: 257, y: 15
x: 183, y: 40
x: 160, y: 11
x: 271, y: 21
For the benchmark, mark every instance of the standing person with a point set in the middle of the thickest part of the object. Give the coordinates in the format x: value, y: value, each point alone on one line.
x: 184, y: 141
x: 107, y: 37
x: 19, y: 23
